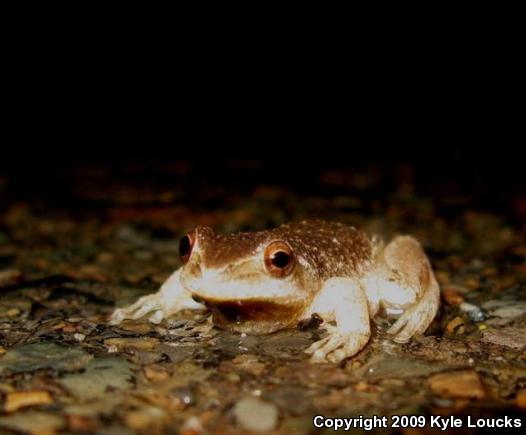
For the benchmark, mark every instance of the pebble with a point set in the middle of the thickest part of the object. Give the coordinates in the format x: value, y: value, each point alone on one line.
x: 462, y: 385
x: 507, y: 309
x: 511, y: 337
x: 33, y: 423
x: 452, y: 297
x: 36, y: 356
x: 256, y: 415
x: 82, y: 423
x: 250, y: 364
x: 154, y: 373
x: 510, y: 312
x: 185, y: 396
x: 475, y: 313
x: 12, y: 312
x: 148, y: 419
x: 136, y: 343
x: 10, y: 277
x: 456, y: 326
x: 192, y: 426
x: 135, y: 326
x: 22, y: 399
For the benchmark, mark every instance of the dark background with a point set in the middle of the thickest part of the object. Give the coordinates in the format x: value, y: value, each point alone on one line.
x: 490, y: 178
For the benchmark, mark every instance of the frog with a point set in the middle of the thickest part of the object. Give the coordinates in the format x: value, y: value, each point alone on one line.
x: 264, y: 281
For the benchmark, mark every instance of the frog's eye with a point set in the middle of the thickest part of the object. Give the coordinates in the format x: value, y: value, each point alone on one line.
x: 185, y: 246
x: 279, y: 259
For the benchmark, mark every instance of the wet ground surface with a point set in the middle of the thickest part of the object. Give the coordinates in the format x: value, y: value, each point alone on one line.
x: 63, y: 368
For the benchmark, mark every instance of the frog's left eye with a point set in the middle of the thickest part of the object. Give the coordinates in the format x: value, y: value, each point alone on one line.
x: 279, y: 259
x: 185, y: 246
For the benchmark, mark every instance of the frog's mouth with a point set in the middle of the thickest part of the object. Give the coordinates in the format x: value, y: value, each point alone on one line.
x: 253, y: 316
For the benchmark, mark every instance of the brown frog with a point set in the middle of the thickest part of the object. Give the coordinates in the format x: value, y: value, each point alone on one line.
x: 261, y: 282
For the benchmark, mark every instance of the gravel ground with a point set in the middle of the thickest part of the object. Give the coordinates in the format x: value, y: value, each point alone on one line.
x: 66, y: 263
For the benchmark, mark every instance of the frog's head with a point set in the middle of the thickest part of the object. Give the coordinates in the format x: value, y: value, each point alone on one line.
x: 252, y: 282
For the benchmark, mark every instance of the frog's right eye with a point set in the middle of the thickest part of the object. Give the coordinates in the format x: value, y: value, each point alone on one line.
x: 279, y: 259
x: 185, y: 246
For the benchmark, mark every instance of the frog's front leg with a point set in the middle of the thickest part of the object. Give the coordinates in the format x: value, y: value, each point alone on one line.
x: 344, y: 301
x: 171, y: 298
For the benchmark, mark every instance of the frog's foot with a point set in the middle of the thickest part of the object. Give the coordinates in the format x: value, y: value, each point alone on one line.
x: 145, y: 305
x: 336, y: 346
x: 412, y: 270
x: 414, y: 320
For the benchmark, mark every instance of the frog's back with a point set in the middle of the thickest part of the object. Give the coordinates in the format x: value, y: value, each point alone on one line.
x: 330, y: 249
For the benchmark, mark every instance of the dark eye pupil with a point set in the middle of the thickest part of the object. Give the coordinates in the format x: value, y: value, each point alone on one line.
x: 280, y: 259
x: 185, y: 246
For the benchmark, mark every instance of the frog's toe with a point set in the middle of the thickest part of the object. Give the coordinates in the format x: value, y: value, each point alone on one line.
x: 335, y: 348
x: 117, y: 317
x: 339, y: 355
x: 143, y: 306
x: 331, y: 332
x: 156, y: 317
x: 413, y: 321
x: 146, y: 308
x: 397, y: 326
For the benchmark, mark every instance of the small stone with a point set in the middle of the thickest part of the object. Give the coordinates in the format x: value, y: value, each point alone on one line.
x: 143, y: 344
x: 82, y: 423
x: 10, y: 277
x: 192, y: 426
x: 154, y: 373
x: 256, y: 415
x: 12, y: 312
x: 514, y: 338
x: 100, y: 375
x: 148, y: 418
x: 91, y: 272
x: 520, y: 400
x: 135, y: 326
x: 456, y: 326
x: 22, y: 399
x: 361, y: 386
x: 185, y: 396
x: 506, y: 309
x: 36, y: 356
x: 105, y: 258
x: 68, y: 328
x: 510, y: 312
x: 79, y: 337
x: 32, y: 422
x: 452, y: 297
x: 475, y: 313
x: 250, y: 364
x: 462, y: 384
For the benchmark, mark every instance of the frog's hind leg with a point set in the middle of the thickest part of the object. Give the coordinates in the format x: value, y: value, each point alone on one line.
x: 410, y: 274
